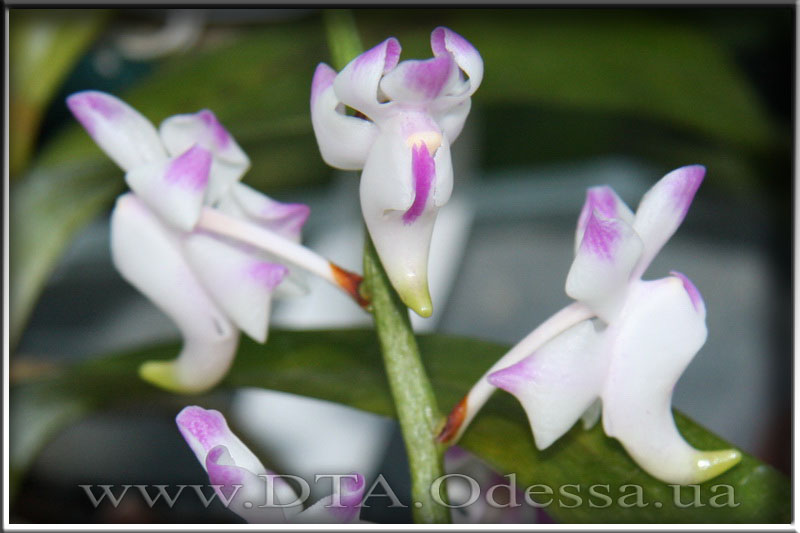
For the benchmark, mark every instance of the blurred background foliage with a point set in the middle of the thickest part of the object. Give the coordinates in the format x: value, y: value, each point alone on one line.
x: 671, y: 86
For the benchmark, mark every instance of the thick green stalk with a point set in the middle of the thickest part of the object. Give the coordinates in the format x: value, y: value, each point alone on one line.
x: 411, y: 389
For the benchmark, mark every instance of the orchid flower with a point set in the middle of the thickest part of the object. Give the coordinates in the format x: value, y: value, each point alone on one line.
x: 622, y: 346
x: 208, y: 250
x: 241, y: 480
x: 407, y: 115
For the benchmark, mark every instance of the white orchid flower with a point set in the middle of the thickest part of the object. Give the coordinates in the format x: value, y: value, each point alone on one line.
x: 250, y: 490
x: 207, y: 250
x: 408, y: 114
x: 627, y: 359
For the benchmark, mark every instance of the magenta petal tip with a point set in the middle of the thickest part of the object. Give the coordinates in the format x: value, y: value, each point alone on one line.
x: 512, y: 378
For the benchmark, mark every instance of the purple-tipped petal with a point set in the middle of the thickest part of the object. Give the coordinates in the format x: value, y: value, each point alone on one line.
x: 357, y: 84
x: 228, y: 163
x: 174, y: 189
x: 344, y: 141
x: 607, y: 204
x: 128, y: 138
x: 601, y: 271
x: 238, y: 281
x: 190, y: 169
x: 418, y: 81
x: 444, y: 40
x: 558, y: 382
x: 218, y: 135
x: 206, y: 429
x: 692, y: 291
x: 220, y: 473
x: 423, y: 169
x: 663, y: 208
x: 286, y: 219
x: 342, y: 507
x: 514, y: 378
x: 244, y: 490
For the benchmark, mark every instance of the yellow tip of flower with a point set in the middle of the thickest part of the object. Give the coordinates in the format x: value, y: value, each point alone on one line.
x: 418, y: 299
x: 431, y: 139
x: 711, y: 464
x: 161, y: 374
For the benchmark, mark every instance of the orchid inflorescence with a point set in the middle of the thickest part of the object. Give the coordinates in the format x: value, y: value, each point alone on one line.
x: 211, y: 252
x: 208, y: 250
x: 408, y: 114
x: 621, y: 347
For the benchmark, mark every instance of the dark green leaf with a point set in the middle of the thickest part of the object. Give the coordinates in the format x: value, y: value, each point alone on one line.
x: 327, y: 364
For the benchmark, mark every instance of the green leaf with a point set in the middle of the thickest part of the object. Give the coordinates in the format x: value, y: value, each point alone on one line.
x: 43, y: 47
x: 326, y: 364
x: 259, y: 90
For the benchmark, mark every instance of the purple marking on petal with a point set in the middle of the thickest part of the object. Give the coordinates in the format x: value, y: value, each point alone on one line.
x: 219, y: 134
x: 85, y: 105
x: 685, y: 182
x: 446, y: 40
x: 323, y: 78
x: 268, y: 274
x: 388, y: 51
x: 392, y: 54
x: 429, y: 76
x: 352, y: 492
x: 224, y: 475
x: 691, y: 290
x: 423, y: 168
x: 207, y: 426
x: 293, y: 215
x: 601, y: 199
x: 190, y: 169
x: 600, y: 237
x: 514, y: 377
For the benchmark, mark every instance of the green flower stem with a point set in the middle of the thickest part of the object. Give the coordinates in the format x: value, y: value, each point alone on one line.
x: 411, y: 389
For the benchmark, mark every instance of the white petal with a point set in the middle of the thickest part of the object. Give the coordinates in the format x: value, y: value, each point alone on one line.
x: 357, y: 84
x: 557, y: 383
x: 148, y: 255
x: 661, y: 331
x: 204, y: 429
x: 286, y: 219
x: 122, y: 132
x: 238, y: 281
x: 400, y: 188
x: 592, y: 414
x: 419, y: 81
x: 605, y: 200
x: 249, y: 500
x: 341, y: 507
x: 344, y: 141
x: 663, y: 208
x: 452, y: 118
x: 174, y: 189
x: 602, y: 267
x: 444, y: 40
x: 180, y: 132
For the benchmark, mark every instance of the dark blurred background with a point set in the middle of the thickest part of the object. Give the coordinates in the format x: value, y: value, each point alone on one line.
x: 570, y: 98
